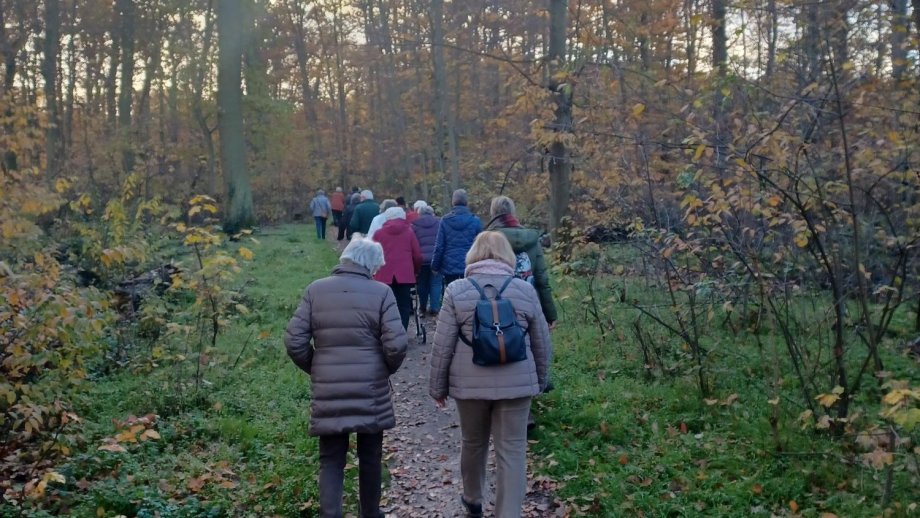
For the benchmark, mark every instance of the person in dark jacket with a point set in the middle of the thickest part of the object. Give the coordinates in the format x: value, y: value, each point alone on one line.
x: 429, y: 283
x: 357, y: 344
x: 364, y: 213
x: 456, y: 233
x: 524, y: 241
x: 403, y: 259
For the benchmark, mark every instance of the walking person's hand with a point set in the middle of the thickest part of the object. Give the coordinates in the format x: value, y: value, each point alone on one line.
x: 552, y: 325
x: 441, y: 403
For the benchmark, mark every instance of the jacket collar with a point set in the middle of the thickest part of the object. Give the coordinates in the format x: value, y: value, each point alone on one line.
x: 458, y: 210
x: 489, y: 267
x: 347, y: 267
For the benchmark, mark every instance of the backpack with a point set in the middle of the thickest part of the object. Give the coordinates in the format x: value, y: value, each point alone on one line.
x: 497, y: 337
x: 523, y: 269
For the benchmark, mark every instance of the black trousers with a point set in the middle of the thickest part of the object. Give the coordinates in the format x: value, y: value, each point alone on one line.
x: 449, y: 278
x: 403, y: 294
x: 332, y: 453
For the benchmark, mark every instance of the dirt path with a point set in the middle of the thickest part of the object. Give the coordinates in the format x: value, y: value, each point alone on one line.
x: 423, y: 452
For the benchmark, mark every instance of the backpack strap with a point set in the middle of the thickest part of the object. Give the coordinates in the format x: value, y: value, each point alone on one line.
x: 505, y: 285
x: 482, y: 293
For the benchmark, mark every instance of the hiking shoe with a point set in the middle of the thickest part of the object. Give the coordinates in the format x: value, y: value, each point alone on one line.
x: 472, y: 510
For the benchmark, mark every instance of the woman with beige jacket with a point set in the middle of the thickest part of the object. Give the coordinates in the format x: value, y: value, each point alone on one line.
x: 491, y: 400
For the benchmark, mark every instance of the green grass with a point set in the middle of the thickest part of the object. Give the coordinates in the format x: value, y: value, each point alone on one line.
x: 620, y: 439
x: 246, y: 426
x: 623, y: 440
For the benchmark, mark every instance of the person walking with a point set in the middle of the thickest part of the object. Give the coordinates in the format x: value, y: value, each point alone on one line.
x: 456, y: 233
x: 364, y: 213
x: 337, y: 201
x: 491, y: 400
x: 320, y: 207
x: 403, y: 259
x: 429, y: 282
x: 357, y: 344
x: 350, y: 203
x: 380, y: 219
x: 525, y: 242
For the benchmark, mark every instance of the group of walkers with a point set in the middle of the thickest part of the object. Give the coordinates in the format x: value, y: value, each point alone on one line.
x: 349, y: 335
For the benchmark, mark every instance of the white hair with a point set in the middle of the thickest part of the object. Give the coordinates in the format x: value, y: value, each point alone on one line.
x: 367, y: 194
x: 419, y: 204
x: 364, y: 252
x: 394, y: 213
x: 386, y: 204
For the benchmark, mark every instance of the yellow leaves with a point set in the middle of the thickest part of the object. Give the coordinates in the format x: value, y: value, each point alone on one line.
x: 700, y: 149
x: 801, y: 240
x: 111, y: 445
x: 637, y: 110
x: 61, y: 185
x: 774, y: 201
x: 828, y: 400
x: 246, y: 253
x: 793, y: 506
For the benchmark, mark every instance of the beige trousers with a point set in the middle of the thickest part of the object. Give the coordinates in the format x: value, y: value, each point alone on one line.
x: 506, y: 421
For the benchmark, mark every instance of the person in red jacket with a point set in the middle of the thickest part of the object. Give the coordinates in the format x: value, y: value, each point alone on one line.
x: 338, y: 206
x: 403, y: 258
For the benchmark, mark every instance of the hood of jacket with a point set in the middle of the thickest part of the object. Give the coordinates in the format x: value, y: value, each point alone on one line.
x: 426, y: 222
x: 489, y: 267
x: 395, y: 227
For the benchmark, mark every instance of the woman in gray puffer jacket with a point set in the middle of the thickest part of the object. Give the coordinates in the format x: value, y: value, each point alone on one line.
x: 491, y: 400
x: 358, y: 343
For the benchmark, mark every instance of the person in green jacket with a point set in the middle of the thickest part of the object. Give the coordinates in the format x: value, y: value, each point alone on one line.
x: 364, y: 213
x: 531, y: 264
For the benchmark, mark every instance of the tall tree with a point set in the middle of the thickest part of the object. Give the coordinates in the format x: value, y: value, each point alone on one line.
x: 444, y: 130
x: 900, y: 28
x: 52, y: 43
x: 560, y: 161
x: 230, y: 36
x: 126, y: 15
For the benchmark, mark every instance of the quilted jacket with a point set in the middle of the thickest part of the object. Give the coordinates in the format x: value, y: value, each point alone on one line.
x: 456, y: 233
x: 426, y: 230
x: 358, y: 342
x: 453, y: 372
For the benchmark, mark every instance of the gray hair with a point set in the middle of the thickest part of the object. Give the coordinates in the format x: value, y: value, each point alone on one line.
x: 419, y: 204
x: 338, y: 189
x: 320, y: 191
x: 502, y: 205
x: 427, y: 209
x: 364, y: 252
x: 386, y: 205
x: 394, y: 213
x: 367, y: 194
x: 459, y: 198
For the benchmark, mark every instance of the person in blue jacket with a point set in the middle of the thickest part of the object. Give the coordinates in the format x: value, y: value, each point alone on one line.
x: 456, y: 233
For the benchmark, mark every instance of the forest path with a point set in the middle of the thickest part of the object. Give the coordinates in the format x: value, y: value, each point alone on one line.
x: 422, y: 453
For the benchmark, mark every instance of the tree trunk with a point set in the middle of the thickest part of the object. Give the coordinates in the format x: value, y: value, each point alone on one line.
x: 444, y: 131
x: 772, y: 38
x: 51, y: 47
x: 560, y: 162
x: 900, y: 28
x: 230, y: 116
x: 126, y: 88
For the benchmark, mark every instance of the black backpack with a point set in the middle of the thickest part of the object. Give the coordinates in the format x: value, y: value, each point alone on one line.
x: 497, y: 338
